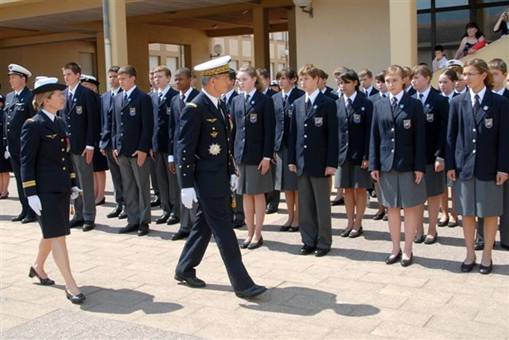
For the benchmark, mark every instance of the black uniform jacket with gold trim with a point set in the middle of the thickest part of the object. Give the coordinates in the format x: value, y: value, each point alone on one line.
x: 203, y: 151
x: 16, y: 111
x: 45, y: 160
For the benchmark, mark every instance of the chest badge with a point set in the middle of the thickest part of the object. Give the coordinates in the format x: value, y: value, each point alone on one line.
x: 168, y: 111
x: 430, y: 117
x: 79, y: 109
x: 214, y: 149
x: 407, y: 123
x: 318, y: 121
x: 132, y: 111
x: 356, y: 118
x: 253, y: 117
x: 488, y: 123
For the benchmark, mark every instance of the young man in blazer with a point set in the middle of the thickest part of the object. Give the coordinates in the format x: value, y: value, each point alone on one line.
x: 366, y: 78
x: 133, y: 127
x: 313, y: 155
x: 82, y: 116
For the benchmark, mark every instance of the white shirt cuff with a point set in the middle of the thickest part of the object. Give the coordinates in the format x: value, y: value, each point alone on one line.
x: 267, y: 158
x: 88, y: 147
x: 440, y: 159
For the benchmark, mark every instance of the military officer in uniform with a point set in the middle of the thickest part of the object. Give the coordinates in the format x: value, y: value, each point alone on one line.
x: 207, y: 175
x: 18, y: 108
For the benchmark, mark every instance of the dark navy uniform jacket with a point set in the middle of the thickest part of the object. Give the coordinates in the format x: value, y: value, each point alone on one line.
x: 398, y: 141
x: 354, y: 130
x: 176, y: 109
x: 329, y: 92
x: 478, y: 146
x: 107, y: 118
x: 270, y: 92
x: 46, y: 165
x: 436, y: 112
x: 283, y: 113
x: 254, y: 127
x: 313, y: 143
x: 133, y: 123
x: 82, y: 119
x: 203, y: 148
x: 372, y: 92
x: 16, y: 111
x: 162, y: 113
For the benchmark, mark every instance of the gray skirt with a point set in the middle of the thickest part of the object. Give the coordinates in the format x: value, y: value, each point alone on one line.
x: 284, y: 179
x: 251, y: 182
x: 350, y: 176
x: 435, y: 181
x: 399, y: 190
x: 478, y: 198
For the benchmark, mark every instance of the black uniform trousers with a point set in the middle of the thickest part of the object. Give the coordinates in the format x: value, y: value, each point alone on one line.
x: 16, y: 168
x: 214, y: 216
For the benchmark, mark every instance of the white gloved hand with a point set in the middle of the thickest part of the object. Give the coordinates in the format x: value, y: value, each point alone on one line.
x: 75, y: 192
x: 234, y: 182
x: 188, y: 196
x: 7, y: 155
x: 35, y: 203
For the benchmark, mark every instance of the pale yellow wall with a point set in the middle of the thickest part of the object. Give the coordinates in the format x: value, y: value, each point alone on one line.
x: 353, y: 33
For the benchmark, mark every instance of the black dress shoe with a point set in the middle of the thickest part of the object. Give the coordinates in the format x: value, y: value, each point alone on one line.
x: 321, y: 252
x: 116, y: 212
x: 407, y: 262
x: 44, y: 281
x: 271, y: 209
x: 443, y: 223
x: 191, y: 281
x: 356, y: 233
x: 453, y: 224
x: 87, y: 226
x: 179, y: 235
x: 251, y: 293
x: 285, y: 228
x: 101, y: 202
x: 306, y: 250
x: 128, y: 229
x: 155, y: 202
x: 173, y: 219
x: 245, y: 244
x: 506, y: 247
x: 143, y: 229
x: 391, y: 259
x: 486, y: 269
x: 379, y: 215
x: 18, y: 218
x: 258, y: 244
x: 123, y: 215
x: 419, y: 239
x: 75, y: 223
x: 163, y: 218
x: 385, y: 218
x: 28, y: 219
x: 293, y: 229
x: 76, y: 299
x: 467, y: 267
x: 346, y: 232
x: 430, y: 239
x: 340, y: 201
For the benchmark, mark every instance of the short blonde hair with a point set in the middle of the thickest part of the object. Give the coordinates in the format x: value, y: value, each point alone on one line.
x: 38, y: 102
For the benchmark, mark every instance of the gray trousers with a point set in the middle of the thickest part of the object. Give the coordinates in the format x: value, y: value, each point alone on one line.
x: 504, y: 221
x: 315, y: 211
x: 136, y: 184
x: 187, y: 216
x: 116, y: 177
x: 84, y: 205
x: 167, y: 185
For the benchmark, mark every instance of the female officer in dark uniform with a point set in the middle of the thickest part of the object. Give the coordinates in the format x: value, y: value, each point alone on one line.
x: 477, y: 158
x: 49, y: 181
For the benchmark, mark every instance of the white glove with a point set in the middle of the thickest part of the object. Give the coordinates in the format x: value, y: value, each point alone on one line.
x: 7, y: 155
x: 35, y: 203
x: 188, y: 196
x: 75, y: 193
x: 234, y: 182
x: 171, y: 159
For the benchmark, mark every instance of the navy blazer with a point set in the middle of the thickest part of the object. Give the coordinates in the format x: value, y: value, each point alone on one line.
x: 254, y: 127
x: 176, y: 108
x: 270, y: 92
x: 283, y: 115
x: 371, y: 93
x: 82, y: 119
x: 162, y: 113
x: 354, y: 130
x: 398, y: 141
x: 329, y: 92
x: 506, y: 93
x: 313, y: 143
x: 376, y: 97
x: 133, y: 123
x: 203, y: 149
x: 436, y: 112
x: 16, y: 112
x: 46, y: 165
x: 107, y: 104
x: 478, y: 147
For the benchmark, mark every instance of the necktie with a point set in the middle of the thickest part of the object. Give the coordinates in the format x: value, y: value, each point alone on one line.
x: 349, y: 108
x: 16, y: 96
x: 160, y: 97
x: 308, y: 105
x: 285, y: 102
x: 69, y: 101
x: 125, y: 100
x: 384, y: 95
x: 421, y: 98
x: 394, y: 104
x: 477, y: 105
x: 246, y: 102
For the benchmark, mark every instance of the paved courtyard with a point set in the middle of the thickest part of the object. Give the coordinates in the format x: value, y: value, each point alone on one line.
x: 350, y: 294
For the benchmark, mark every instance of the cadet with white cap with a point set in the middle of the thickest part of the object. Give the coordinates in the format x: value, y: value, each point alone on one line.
x: 206, y: 170
x: 18, y: 108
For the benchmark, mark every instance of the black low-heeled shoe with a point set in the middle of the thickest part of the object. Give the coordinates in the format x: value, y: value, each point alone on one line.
x: 407, y: 262
x: 486, y: 269
x: 245, y: 244
x: 293, y: 229
x: 355, y: 233
x: 391, y: 259
x: 44, y: 281
x: 346, y: 232
x: 419, y: 239
x: 467, y: 267
x: 430, y: 239
x: 76, y: 299
x: 443, y: 223
x: 258, y: 244
x: 285, y: 228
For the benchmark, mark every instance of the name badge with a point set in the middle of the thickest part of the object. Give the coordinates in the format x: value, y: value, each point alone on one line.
x: 132, y: 111
x: 253, y: 117
x: 79, y: 109
x: 318, y: 121
x: 430, y: 117
x: 356, y: 118
x: 407, y: 123
x: 488, y: 123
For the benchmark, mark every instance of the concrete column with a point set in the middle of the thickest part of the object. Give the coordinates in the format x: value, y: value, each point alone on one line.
x: 403, y: 32
x: 292, y: 39
x: 261, y: 38
x: 118, y: 32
